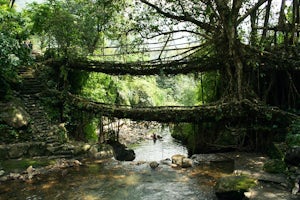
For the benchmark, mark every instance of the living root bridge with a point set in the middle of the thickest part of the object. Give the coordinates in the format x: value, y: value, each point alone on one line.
x: 242, y: 110
x: 141, y: 68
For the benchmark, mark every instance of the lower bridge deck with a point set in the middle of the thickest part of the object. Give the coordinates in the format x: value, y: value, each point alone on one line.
x: 213, y: 112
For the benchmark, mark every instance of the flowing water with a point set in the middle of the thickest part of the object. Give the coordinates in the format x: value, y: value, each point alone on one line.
x: 114, y: 180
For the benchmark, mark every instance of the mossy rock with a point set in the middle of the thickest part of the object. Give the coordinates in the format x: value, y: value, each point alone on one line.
x: 233, y: 187
x: 275, y: 166
x: 14, y: 114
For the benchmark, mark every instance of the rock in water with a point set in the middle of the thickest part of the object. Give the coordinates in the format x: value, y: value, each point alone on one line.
x: 177, y: 159
x: 121, y: 152
x: 182, y: 161
x: 295, y: 190
x: 153, y: 164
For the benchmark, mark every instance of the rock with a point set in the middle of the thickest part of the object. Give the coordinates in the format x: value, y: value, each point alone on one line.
x: 153, y: 164
x: 18, y: 150
x: 264, y: 176
x: 121, y: 152
x: 166, y: 161
x: 233, y: 187
x: 292, y: 156
x: 86, y: 147
x: 275, y: 166
x: 14, y: 114
x: 2, y: 172
x: 3, y: 152
x: 100, y: 151
x: 295, y: 189
x: 177, y: 159
x: 30, y: 171
x: 276, y: 150
x: 182, y: 161
x: 215, y: 161
x: 14, y: 176
x: 37, y: 149
x: 186, y: 163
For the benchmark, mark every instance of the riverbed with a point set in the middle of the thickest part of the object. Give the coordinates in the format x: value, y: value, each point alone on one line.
x: 110, y: 179
x: 114, y: 180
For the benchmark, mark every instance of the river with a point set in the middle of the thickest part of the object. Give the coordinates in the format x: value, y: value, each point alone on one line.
x: 115, y: 180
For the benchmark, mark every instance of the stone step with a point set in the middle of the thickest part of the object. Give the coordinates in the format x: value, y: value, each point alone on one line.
x: 40, y: 123
x: 53, y: 157
x: 63, y: 152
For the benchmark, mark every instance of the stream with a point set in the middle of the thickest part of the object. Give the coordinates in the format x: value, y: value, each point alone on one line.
x: 114, y: 180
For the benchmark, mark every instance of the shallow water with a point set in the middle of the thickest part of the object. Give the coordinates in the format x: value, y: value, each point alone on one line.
x: 151, y: 150
x: 113, y: 180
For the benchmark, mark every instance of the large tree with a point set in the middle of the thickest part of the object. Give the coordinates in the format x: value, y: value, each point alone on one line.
x: 239, y: 34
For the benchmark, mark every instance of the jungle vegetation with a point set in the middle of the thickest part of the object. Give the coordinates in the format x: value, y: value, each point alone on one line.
x: 236, y: 50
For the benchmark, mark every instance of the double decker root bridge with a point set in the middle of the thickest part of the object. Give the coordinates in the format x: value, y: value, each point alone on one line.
x: 242, y: 109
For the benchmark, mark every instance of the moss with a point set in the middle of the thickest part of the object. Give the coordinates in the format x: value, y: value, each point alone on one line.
x: 23, y: 164
x: 90, y: 130
x: 275, y: 166
x: 183, y: 132
x: 235, y: 183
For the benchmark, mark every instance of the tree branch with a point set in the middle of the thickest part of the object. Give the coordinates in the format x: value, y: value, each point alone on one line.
x: 186, y: 18
x: 251, y: 10
x: 178, y: 31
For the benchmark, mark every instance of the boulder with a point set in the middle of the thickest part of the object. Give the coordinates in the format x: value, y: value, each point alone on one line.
x: 14, y: 114
x: 292, y: 156
x: 177, y: 159
x: 18, y: 150
x: 182, y: 161
x: 100, y: 151
x: 121, y: 152
x: 214, y: 161
x: 166, y: 161
x: 275, y: 166
x: 36, y: 149
x: 153, y: 164
x: 233, y: 187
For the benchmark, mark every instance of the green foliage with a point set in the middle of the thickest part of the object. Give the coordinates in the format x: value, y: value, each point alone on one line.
x: 74, y: 26
x: 275, y: 166
x: 182, y: 132
x: 12, y: 52
x: 180, y: 89
x: 99, y: 87
x: 209, y: 87
x: 293, y: 136
x: 90, y: 130
x: 8, y: 134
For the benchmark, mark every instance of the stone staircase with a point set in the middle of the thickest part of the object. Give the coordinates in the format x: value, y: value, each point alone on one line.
x: 43, y: 130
